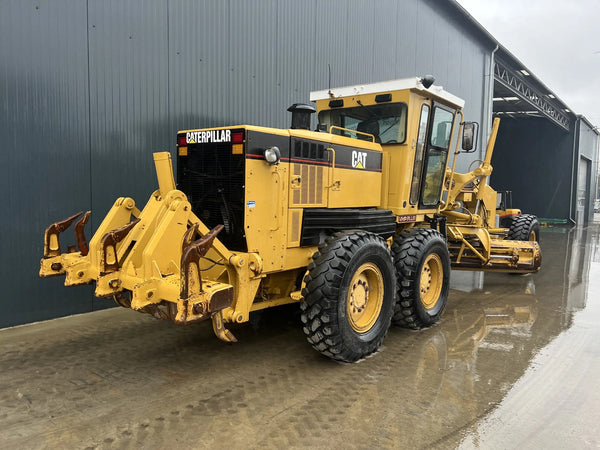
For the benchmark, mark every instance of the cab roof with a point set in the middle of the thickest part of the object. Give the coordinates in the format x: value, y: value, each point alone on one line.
x: 387, y: 86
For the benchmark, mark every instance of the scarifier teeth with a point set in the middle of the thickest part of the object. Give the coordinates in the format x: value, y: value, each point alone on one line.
x: 51, y: 236
x: 192, y: 252
x: 80, y: 233
x: 110, y: 241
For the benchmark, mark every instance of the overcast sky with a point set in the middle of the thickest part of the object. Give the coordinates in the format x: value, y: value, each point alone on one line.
x: 558, y: 40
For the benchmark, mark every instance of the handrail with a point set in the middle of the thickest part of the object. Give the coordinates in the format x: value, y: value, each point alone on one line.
x: 331, y: 177
x: 351, y: 131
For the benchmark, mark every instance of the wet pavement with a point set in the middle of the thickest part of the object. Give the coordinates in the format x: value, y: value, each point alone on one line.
x: 514, y: 363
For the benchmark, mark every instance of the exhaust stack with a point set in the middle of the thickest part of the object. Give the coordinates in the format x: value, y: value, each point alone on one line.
x: 301, y: 115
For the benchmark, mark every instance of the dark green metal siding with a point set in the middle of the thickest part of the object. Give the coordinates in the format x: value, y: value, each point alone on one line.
x: 44, y: 136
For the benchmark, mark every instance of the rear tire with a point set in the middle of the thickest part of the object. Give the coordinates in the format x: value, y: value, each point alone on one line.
x: 349, y: 296
x: 423, y: 277
x: 524, y: 227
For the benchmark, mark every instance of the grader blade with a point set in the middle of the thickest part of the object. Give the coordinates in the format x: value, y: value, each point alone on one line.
x: 515, y: 256
x: 504, y: 256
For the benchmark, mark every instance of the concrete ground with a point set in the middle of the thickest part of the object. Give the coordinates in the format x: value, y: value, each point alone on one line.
x: 514, y: 363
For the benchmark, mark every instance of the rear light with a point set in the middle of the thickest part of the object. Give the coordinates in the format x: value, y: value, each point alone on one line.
x: 237, y: 137
x: 181, y: 140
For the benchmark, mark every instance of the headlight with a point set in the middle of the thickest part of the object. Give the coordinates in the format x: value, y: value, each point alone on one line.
x: 272, y: 155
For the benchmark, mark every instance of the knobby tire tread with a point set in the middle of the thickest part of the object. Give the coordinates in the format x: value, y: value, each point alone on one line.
x: 407, y: 251
x: 319, y: 309
x: 521, y: 227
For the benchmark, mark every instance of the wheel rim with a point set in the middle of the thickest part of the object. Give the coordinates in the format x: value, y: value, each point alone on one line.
x: 532, y: 236
x: 432, y: 278
x: 365, y: 297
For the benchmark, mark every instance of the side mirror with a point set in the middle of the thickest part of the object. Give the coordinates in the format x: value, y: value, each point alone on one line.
x: 469, y: 136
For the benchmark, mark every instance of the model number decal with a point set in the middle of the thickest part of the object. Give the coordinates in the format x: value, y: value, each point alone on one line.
x: 207, y: 137
x: 404, y: 219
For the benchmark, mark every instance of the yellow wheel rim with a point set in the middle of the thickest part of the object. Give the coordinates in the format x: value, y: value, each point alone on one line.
x: 365, y: 297
x: 432, y: 278
x: 532, y: 236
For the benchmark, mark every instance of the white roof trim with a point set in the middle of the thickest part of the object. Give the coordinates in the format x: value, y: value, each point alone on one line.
x: 386, y: 86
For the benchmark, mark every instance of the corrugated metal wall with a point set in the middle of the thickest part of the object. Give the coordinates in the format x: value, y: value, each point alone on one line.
x: 540, y: 163
x: 520, y: 154
x: 88, y: 90
x: 44, y: 143
x: 588, y: 149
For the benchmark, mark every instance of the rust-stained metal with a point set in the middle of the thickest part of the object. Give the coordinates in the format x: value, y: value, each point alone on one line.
x: 182, y: 319
x: 222, y: 333
x: 201, y: 310
x: 51, y: 236
x: 221, y: 300
x: 80, y: 233
x: 167, y: 311
x: 191, y: 295
x: 149, y: 260
x: 123, y: 298
x: 191, y: 280
x: 110, y: 240
x: 189, y: 235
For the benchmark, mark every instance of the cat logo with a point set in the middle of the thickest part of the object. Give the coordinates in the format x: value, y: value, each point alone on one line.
x: 359, y: 159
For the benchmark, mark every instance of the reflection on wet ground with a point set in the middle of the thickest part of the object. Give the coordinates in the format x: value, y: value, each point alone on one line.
x: 556, y: 402
x: 513, y: 362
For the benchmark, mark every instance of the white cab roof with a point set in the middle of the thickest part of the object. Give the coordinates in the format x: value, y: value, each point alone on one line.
x: 386, y: 86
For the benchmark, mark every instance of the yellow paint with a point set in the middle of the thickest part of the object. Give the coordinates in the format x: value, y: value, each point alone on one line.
x: 432, y: 277
x: 266, y: 217
x: 365, y: 297
x: 268, y: 274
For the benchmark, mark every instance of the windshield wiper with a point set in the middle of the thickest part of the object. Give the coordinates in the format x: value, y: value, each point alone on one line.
x: 369, y: 110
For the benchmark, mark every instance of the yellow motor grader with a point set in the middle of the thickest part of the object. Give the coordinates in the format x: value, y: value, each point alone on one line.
x: 359, y: 221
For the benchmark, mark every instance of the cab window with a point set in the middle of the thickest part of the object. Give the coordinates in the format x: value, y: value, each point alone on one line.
x: 387, y: 123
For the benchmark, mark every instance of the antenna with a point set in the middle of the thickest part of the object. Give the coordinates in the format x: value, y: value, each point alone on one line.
x: 330, y: 93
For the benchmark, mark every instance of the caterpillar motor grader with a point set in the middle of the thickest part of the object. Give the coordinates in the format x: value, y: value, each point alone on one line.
x: 359, y: 221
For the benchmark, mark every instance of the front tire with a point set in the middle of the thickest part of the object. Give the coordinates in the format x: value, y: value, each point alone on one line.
x: 423, y: 269
x: 524, y: 227
x: 349, y: 296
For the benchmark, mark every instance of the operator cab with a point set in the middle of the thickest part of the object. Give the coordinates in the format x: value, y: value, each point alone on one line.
x: 412, y: 120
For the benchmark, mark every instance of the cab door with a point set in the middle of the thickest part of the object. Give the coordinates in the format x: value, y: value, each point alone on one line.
x: 439, y: 133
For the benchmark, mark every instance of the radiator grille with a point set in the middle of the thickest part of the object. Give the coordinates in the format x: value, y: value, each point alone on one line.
x: 213, y: 177
x: 310, y: 192
x: 295, y: 227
